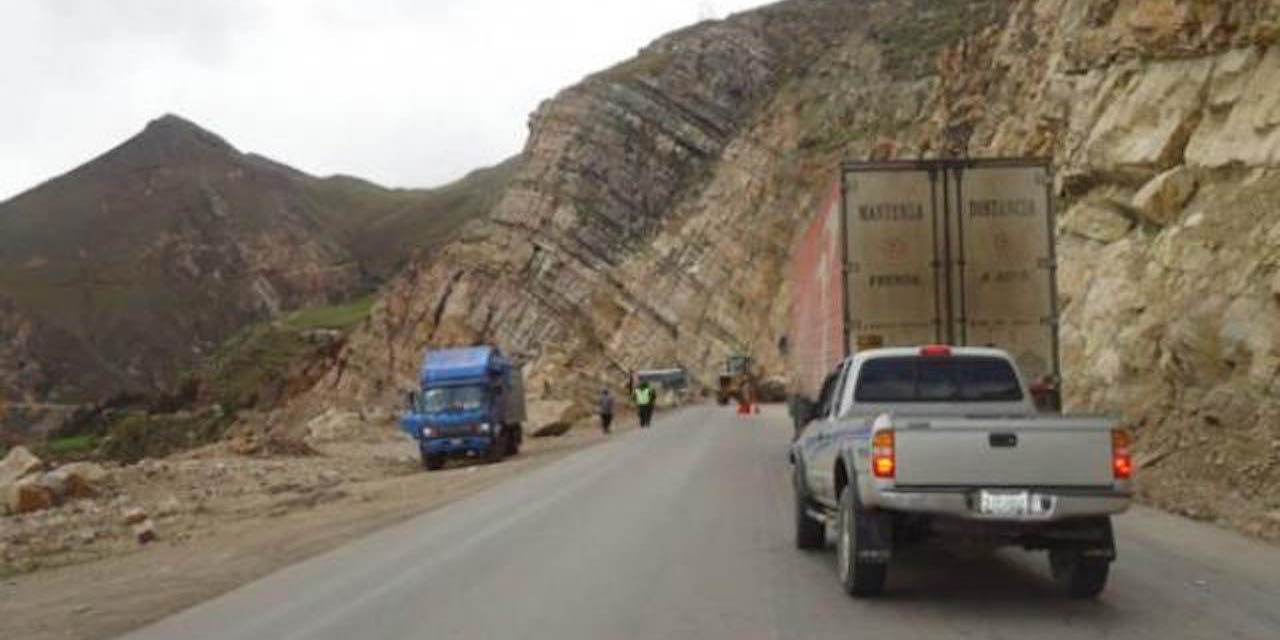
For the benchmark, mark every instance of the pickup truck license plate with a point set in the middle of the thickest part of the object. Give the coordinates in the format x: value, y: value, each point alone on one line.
x: 457, y: 442
x: 1004, y: 503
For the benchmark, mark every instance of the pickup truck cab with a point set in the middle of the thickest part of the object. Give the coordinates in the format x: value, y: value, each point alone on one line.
x: 935, y: 442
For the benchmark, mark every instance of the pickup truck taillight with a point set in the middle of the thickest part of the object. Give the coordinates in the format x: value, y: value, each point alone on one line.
x: 883, y: 463
x: 1121, y: 459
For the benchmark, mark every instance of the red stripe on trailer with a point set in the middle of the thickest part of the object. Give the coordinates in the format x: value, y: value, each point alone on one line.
x: 816, y: 337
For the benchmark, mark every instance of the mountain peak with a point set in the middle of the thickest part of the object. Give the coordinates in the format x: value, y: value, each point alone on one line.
x: 173, y: 133
x: 172, y: 121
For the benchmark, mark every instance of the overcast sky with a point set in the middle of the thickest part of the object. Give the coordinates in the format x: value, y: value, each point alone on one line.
x: 401, y: 92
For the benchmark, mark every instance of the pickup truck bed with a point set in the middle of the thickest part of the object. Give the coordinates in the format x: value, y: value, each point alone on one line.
x: 1049, y: 451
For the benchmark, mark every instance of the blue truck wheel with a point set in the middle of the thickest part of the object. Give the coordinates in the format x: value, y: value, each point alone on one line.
x: 432, y: 462
x: 515, y: 435
x: 497, y: 448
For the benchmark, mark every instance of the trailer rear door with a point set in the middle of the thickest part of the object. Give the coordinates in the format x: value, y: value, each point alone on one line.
x: 1002, y: 261
x: 892, y: 239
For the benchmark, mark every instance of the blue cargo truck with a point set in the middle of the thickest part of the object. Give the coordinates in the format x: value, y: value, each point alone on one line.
x: 469, y: 404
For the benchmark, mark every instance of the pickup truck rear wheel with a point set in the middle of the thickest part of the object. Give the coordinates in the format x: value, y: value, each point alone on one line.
x: 860, y: 578
x: 810, y: 533
x: 1077, y: 574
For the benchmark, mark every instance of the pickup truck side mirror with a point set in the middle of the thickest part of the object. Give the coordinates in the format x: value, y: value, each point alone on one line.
x: 803, y: 411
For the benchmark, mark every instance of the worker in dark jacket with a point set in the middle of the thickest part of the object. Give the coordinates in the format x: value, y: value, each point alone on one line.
x: 604, y: 407
x: 644, y: 397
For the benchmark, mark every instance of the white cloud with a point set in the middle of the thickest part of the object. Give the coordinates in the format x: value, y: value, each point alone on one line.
x: 402, y: 92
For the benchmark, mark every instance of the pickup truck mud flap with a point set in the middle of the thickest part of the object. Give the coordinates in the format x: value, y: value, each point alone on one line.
x: 875, y: 536
x: 1091, y: 537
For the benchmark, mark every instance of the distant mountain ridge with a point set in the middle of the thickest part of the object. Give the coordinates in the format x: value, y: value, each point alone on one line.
x: 117, y: 275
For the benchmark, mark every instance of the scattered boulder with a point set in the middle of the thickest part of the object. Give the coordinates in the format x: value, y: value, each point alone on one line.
x: 329, y: 477
x: 135, y: 515
x: 554, y: 429
x: 772, y: 389
x: 169, y: 506
x: 334, y: 425
x: 26, y: 495
x: 92, y: 473
x: 377, y: 415
x: 542, y: 414
x: 1101, y: 220
x: 56, y: 484
x: 306, y: 500
x: 73, y: 481
x: 277, y: 442
x: 18, y: 463
x: 283, y: 443
x: 144, y: 531
x: 244, y: 444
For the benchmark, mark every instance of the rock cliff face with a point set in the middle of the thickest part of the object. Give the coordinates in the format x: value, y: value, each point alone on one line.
x: 606, y: 253
x: 652, y: 221
x: 1162, y: 123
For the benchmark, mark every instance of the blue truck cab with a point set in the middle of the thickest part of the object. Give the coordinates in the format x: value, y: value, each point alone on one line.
x: 469, y: 403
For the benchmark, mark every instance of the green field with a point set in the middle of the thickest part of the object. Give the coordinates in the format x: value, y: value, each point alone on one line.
x: 81, y: 445
x: 344, y: 316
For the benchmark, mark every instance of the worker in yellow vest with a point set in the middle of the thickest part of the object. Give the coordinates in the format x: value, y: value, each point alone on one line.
x: 644, y: 396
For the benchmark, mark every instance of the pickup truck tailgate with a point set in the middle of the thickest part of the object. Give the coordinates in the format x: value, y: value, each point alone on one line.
x: 977, y: 452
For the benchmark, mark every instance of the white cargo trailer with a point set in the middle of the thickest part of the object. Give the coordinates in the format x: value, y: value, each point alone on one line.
x: 956, y: 251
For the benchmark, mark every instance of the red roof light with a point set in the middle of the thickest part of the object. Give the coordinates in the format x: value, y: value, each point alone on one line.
x: 935, y: 351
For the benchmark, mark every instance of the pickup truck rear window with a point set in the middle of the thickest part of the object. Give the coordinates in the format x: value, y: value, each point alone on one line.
x: 949, y: 379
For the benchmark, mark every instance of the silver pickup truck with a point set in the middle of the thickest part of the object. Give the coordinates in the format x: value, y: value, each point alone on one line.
x: 935, y: 442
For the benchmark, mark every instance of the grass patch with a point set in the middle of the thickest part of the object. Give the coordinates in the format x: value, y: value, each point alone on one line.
x: 134, y: 437
x: 250, y: 368
x: 266, y: 363
x: 81, y: 445
x: 344, y: 316
x: 648, y: 64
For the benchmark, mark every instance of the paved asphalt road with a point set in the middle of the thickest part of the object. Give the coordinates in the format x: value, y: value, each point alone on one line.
x: 684, y: 531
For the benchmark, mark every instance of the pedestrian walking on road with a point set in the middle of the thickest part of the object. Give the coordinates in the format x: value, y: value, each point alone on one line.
x: 604, y: 407
x: 644, y: 397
